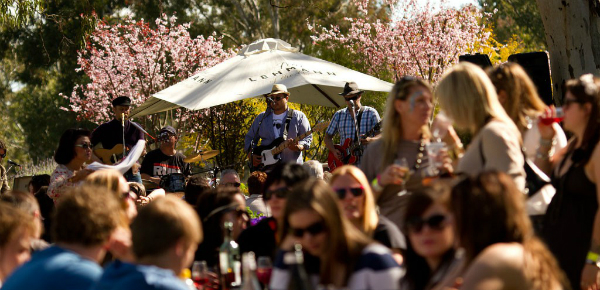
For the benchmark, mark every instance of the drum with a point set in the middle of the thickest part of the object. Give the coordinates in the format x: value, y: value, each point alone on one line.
x: 22, y: 183
x: 174, y: 182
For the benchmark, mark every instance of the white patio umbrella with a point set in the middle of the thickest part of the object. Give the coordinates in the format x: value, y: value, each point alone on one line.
x: 253, y: 72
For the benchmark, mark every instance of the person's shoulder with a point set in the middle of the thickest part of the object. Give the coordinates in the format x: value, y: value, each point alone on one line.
x: 500, y: 256
x: 376, y: 257
x: 144, y: 277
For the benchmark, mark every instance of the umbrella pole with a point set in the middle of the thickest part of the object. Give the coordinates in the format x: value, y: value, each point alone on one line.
x: 324, y: 94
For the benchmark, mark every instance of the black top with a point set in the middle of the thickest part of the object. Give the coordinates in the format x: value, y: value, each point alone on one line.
x: 111, y: 134
x: 260, y: 239
x: 388, y: 234
x: 156, y: 163
x: 569, y: 220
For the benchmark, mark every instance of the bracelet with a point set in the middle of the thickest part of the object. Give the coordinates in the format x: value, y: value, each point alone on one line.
x: 375, y: 184
x: 592, y: 256
x: 546, y: 142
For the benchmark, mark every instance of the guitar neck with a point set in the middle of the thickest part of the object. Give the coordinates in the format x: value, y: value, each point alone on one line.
x: 356, y: 144
x: 283, y: 145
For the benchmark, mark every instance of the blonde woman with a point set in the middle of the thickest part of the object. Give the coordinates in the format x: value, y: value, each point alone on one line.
x: 358, y: 205
x: 469, y: 98
x: 405, y: 133
x: 347, y: 258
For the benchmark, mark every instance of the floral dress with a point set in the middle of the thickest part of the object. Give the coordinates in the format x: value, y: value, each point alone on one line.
x: 59, y: 182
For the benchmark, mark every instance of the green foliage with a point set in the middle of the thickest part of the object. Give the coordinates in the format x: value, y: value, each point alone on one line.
x: 518, y: 19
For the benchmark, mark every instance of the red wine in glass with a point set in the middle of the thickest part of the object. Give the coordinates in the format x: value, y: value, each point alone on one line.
x: 264, y: 275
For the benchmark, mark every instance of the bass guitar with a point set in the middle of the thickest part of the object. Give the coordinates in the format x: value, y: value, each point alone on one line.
x: 269, y: 154
x: 349, y: 149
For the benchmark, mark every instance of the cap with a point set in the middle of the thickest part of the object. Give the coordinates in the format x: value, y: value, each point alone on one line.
x: 169, y: 130
x: 121, y: 101
x: 351, y: 88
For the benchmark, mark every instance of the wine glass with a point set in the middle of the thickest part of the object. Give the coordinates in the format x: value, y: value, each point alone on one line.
x: 407, y: 172
x: 200, y: 273
x: 263, y: 269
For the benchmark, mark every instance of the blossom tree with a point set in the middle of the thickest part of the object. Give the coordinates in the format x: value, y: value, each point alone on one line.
x: 135, y: 60
x: 415, y: 39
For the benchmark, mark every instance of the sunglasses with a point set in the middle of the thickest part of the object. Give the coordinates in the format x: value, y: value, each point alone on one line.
x: 280, y: 193
x: 313, y: 230
x: 434, y: 222
x: 353, y: 98
x: 234, y: 184
x: 356, y: 191
x: 129, y: 195
x: 568, y: 102
x: 84, y: 145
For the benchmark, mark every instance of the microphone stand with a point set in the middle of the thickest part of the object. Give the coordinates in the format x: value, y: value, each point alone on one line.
x: 356, y: 125
x: 123, y: 124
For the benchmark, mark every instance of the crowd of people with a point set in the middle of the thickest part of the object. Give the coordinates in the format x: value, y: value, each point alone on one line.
x: 392, y: 212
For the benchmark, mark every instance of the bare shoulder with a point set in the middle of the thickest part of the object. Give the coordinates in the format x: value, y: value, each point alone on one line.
x: 499, y: 266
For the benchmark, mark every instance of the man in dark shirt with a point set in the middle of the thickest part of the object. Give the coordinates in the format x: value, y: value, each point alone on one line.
x: 117, y: 131
x: 165, y: 160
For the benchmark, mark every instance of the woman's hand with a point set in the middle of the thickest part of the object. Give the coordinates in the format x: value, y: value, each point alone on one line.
x: 393, y: 174
x: 446, y: 162
x: 588, y: 277
x: 547, y: 132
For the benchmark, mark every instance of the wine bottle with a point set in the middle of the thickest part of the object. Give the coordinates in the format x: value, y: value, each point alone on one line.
x: 229, y: 260
x: 250, y: 280
x: 298, y: 276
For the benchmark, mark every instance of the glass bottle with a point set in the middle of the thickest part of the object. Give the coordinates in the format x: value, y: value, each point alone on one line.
x: 229, y: 260
x: 250, y: 279
x: 298, y: 277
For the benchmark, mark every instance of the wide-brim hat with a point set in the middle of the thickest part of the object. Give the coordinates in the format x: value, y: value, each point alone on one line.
x: 351, y: 88
x: 278, y: 89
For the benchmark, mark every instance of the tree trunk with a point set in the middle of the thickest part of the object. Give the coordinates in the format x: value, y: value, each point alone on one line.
x: 573, y: 35
x: 275, y: 18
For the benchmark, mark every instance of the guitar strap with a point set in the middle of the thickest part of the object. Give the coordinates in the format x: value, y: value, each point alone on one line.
x: 288, y: 120
x: 358, y: 118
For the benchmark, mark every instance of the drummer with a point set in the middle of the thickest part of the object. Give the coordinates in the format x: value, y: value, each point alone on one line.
x: 165, y: 160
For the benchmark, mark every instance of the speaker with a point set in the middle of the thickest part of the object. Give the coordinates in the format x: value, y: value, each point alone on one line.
x: 537, y: 66
x: 482, y: 60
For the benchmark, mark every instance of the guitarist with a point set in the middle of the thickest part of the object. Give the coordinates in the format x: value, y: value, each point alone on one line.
x: 343, y: 121
x: 279, y: 121
x: 110, y: 134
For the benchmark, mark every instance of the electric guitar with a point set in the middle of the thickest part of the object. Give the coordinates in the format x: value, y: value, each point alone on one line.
x: 348, y: 150
x: 270, y: 153
x: 115, y: 154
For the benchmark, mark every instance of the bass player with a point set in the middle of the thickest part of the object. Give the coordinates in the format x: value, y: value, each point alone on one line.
x: 343, y: 122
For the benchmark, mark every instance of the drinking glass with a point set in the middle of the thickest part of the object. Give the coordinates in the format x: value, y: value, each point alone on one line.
x: 263, y: 270
x: 200, y: 273
x: 407, y: 172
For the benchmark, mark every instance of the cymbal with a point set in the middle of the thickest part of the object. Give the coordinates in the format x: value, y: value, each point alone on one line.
x: 202, y: 156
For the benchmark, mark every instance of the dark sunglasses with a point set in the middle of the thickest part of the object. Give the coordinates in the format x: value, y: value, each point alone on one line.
x: 352, y: 98
x: 356, y: 191
x: 240, y: 212
x: 313, y: 230
x: 234, y: 184
x: 434, y: 222
x: 84, y: 145
x: 278, y: 98
x: 568, y: 102
x: 129, y: 195
x: 280, y: 193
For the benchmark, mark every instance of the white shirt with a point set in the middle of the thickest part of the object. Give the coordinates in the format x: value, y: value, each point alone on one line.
x: 278, y: 120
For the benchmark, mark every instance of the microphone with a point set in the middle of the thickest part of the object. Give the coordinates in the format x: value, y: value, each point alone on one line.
x: 269, y: 100
x: 13, y: 163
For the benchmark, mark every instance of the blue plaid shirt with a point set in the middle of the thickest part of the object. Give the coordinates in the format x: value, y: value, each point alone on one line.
x: 343, y: 123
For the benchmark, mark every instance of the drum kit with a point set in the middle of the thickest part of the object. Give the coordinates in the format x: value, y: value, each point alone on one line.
x: 175, y: 182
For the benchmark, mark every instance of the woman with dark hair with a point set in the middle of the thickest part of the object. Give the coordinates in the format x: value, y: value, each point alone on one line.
x: 264, y: 238
x: 429, y: 252
x: 348, y: 259
x: 401, y: 150
x: 500, y: 248
x: 215, y: 207
x: 572, y: 222
x: 74, y: 150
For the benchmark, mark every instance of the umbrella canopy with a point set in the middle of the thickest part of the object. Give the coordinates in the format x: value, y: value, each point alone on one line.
x: 253, y: 72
